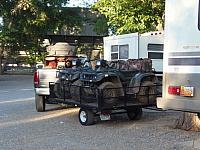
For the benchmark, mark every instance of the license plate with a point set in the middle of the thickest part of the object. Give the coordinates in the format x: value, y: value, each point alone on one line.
x: 104, y: 117
x: 187, y: 91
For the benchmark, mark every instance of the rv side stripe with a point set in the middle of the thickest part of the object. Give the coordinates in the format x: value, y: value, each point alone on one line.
x: 184, y: 61
x: 184, y: 54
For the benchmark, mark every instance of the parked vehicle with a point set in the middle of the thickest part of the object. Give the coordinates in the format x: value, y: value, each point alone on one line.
x: 126, y: 86
x: 181, y: 87
x: 60, y: 56
x: 135, y: 46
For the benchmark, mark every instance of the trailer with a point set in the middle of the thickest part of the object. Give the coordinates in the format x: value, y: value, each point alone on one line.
x: 110, y: 88
x: 181, y: 71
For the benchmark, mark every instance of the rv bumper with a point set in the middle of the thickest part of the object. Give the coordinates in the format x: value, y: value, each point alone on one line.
x: 179, y: 104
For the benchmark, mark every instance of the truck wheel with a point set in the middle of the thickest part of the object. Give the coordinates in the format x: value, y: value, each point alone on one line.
x: 135, y: 114
x: 109, y: 93
x: 75, y: 90
x: 147, y: 89
x: 40, y: 103
x: 86, y: 117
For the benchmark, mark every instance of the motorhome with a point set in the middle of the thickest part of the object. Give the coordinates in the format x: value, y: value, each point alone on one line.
x: 134, y: 46
x: 181, y: 70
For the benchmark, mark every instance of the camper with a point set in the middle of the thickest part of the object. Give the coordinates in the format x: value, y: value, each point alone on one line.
x: 134, y: 46
x: 181, y: 70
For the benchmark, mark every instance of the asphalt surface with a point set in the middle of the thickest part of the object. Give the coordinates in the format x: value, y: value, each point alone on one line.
x: 22, y: 128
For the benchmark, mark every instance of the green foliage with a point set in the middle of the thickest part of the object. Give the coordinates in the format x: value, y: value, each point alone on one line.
x: 25, y: 22
x: 126, y: 16
x: 101, y: 26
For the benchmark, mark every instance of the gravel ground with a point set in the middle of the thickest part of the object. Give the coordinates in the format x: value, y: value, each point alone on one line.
x: 22, y: 128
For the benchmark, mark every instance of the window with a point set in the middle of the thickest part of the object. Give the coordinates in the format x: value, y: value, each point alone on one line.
x: 155, y: 51
x: 119, y: 52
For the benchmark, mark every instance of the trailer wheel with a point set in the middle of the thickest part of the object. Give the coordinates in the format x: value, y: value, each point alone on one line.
x: 40, y: 103
x: 109, y: 94
x: 135, y: 114
x: 86, y: 117
x: 147, y: 93
x: 75, y: 90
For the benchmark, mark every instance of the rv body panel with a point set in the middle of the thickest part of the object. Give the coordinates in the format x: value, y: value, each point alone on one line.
x: 181, y: 57
x: 117, y: 45
x: 151, y: 46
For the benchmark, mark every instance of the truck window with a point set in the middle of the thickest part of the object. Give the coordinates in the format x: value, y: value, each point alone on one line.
x: 155, y: 51
x: 119, y: 52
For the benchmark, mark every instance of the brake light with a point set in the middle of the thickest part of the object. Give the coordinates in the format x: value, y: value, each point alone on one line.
x: 36, y: 78
x: 174, y: 90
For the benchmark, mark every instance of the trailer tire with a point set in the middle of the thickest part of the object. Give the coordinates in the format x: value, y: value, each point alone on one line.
x: 109, y: 93
x: 135, y: 114
x: 86, y: 117
x: 147, y: 88
x: 75, y: 90
x: 40, y: 103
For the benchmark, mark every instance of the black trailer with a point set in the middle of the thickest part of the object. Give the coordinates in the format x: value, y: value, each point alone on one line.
x: 95, y: 102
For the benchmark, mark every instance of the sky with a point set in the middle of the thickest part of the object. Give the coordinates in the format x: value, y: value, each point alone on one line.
x: 80, y: 3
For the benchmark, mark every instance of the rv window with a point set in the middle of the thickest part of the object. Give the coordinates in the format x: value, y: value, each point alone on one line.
x: 123, y: 51
x: 114, y: 48
x: 114, y: 56
x: 155, y: 47
x: 153, y: 55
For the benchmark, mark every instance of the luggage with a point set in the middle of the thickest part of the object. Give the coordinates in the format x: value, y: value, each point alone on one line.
x: 144, y: 65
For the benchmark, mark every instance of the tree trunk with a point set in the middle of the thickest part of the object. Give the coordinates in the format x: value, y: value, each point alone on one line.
x: 188, y: 121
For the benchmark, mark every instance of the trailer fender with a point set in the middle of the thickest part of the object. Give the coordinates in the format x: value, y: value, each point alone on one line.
x: 137, y: 80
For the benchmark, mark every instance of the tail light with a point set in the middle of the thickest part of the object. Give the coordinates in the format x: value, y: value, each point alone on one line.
x: 174, y: 90
x: 36, y: 78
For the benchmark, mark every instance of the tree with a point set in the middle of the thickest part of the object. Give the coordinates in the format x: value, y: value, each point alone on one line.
x: 25, y: 22
x: 125, y: 16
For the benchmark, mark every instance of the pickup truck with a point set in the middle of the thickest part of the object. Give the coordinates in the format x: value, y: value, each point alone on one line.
x: 42, y: 77
x: 60, y: 56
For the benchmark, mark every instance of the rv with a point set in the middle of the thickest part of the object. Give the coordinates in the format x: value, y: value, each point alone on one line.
x: 181, y: 70
x: 134, y: 46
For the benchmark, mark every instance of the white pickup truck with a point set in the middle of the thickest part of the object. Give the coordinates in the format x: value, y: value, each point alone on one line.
x: 60, y: 55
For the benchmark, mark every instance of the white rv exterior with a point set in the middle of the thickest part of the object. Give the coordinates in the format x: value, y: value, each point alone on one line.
x: 134, y: 46
x: 181, y: 73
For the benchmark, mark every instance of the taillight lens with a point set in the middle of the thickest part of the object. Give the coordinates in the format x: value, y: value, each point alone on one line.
x: 36, y: 78
x: 174, y: 90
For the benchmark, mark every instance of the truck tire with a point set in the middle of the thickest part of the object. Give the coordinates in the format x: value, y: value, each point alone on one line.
x: 40, y: 103
x: 109, y: 93
x: 135, y: 114
x: 75, y: 90
x: 147, y: 93
x: 86, y: 117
